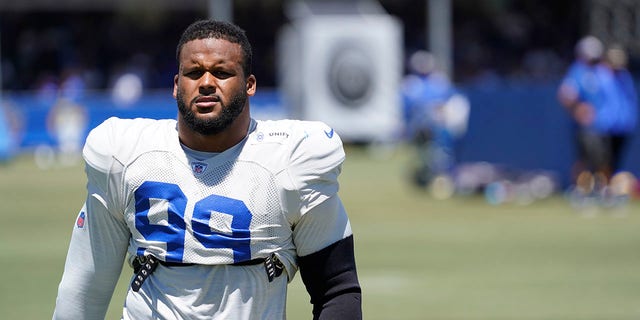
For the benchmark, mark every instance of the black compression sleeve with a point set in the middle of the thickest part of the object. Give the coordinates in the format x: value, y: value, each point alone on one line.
x: 332, y: 282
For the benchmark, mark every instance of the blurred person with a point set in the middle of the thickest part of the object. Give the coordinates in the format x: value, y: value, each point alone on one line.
x: 8, y: 133
x: 580, y: 94
x: 6, y: 143
x: 46, y: 87
x: 216, y: 211
x: 597, y: 94
x: 624, y: 105
x: 127, y: 90
x: 435, y: 114
x: 130, y: 80
x: 67, y: 122
x: 73, y: 85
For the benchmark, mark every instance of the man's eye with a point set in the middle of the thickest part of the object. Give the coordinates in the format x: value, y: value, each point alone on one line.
x: 222, y: 74
x: 193, y: 74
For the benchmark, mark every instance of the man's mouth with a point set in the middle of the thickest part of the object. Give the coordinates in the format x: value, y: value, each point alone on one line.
x: 206, y: 102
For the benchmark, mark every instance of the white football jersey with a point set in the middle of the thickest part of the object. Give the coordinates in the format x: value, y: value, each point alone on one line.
x: 274, y: 192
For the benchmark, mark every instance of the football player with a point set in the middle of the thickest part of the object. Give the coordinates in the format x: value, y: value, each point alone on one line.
x: 215, y: 211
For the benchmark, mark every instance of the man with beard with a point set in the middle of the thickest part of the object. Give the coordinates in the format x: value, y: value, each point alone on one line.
x: 216, y: 211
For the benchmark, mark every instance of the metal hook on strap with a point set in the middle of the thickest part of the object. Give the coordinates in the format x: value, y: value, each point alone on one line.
x: 143, y: 267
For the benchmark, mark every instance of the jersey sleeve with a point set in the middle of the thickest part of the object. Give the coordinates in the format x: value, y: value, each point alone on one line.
x: 315, y: 164
x: 94, y: 263
x: 104, y: 146
x: 99, y: 239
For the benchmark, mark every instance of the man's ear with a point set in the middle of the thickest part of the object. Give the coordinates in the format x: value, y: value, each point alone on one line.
x: 175, y: 86
x: 251, y: 85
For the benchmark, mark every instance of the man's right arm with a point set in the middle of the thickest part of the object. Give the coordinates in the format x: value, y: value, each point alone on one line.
x: 93, y: 265
x: 99, y: 239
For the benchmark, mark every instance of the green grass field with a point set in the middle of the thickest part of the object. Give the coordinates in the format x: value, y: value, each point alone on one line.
x: 418, y: 258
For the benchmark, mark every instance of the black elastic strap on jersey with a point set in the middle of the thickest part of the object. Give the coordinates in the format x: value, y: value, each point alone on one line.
x: 143, y: 267
x: 330, y: 278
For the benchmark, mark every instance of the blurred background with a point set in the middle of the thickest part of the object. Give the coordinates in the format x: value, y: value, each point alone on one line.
x: 67, y: 65
x: 460, y: 176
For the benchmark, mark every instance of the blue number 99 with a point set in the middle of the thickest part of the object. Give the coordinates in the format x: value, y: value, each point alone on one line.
x: 173, y: 231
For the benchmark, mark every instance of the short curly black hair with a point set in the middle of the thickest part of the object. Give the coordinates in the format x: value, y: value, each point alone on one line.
x: 203, y: 29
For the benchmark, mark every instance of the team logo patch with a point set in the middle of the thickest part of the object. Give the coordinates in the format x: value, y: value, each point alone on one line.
x: 80, y: 220
x: 198, y: 167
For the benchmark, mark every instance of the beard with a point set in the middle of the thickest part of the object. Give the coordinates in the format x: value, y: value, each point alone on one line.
x: 212, y: 126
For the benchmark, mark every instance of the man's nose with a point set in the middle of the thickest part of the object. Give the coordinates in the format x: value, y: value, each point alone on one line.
x: 207, y: 82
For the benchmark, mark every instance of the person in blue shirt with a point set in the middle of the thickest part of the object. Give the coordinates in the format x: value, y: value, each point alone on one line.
x: 624, y: 105
x: 599, y: 95
x: 7, y: 143
x: 433, y: 112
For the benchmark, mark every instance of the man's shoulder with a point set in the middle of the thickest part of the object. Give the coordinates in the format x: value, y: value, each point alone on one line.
x: 306, y: 145
x: 300, y: 127
x: 116, y: 125
x: 130, y: 130
x: 120, y: 138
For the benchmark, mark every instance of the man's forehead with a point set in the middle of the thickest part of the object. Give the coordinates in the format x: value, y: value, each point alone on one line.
x: 211, y: 42
x: 211, y: 45
x: 206, y: 51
